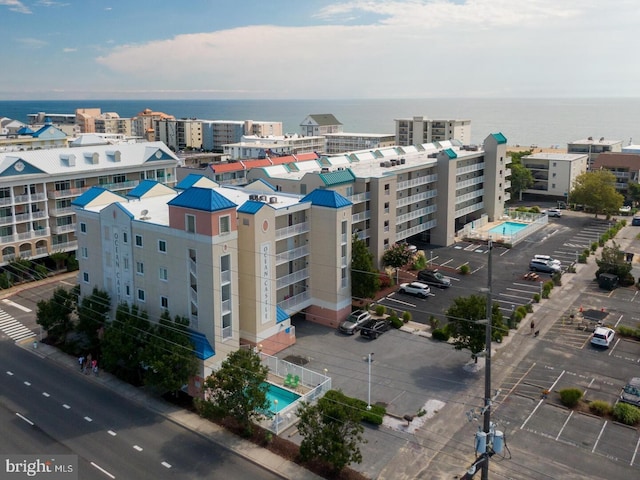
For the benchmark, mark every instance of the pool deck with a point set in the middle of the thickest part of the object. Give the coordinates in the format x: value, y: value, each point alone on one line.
x: 279, y: 381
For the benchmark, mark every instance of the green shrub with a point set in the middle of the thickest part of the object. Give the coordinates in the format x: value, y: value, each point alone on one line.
x: 582, y: 258
x: 433, y: 322
x: 594, y: 246
x: 522, y: 310
x: 395, y: 321
x: 419, y: 262
x: 586, y: 252
x: 625, y: 413
x: 570, y: 397
x: 545, y: 293
x: 548, y: 284
x: 406, y: 317
x: 631, y: 332
x: 622, y: 223
x: 529, y: 308
x: 380, y: 310
x: 536, y: 297
x: 517, y: 318
x: 373, y: 416
x: 464, y: 269
x: 440, y: 334
x: 556, y: 278
x: 601, y: 242
x: 627, y: 280
x: 600, y: 407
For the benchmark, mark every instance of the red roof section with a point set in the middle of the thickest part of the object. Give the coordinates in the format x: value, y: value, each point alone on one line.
x: 282, y: 160
x: 256, y: 163
x: 307, y: 156
x: 227, y: 167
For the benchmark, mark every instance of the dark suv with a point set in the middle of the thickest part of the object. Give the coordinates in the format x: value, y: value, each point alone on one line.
x: 374, y: 327
x: 434, y: 277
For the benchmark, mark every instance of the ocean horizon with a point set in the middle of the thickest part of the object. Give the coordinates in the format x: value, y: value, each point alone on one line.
x: 542, y: 122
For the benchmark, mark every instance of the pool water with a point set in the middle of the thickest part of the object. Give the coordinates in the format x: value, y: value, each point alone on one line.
x: 508, y: 228
x: 284, y: 397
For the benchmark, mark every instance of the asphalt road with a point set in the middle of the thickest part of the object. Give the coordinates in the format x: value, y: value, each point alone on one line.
x: 110, y: 435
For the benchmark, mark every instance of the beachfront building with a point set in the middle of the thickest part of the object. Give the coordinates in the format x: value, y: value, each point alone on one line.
x: 351, y: 142
x: 255, y: 147
x: 144, y: 123
x: 111, y: 123
x: 217, y: 133
x: 593, y: 148
x: 428, y: 191
x: 179, y: 134
x: 418, y: 130
x: 554, y: 173
x: 625, y: 167
x: 238, y: 262
x: 320, y: 124
x: 38, y: 186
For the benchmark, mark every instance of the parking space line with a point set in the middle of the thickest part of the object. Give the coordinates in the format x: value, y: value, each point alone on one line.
x: 519, y: 381
x: 505, y: 252
x: 564, y: 425
x: 633, y: 458
x: 618, y: 321
x: 584, y: 394
x: 599, y: 435
x: 514, y: 296
x: 614, y: 347
x: 448, y: 261
x: 541, y: 400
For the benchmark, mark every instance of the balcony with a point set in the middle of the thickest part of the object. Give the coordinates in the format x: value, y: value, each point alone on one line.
x: 360, y: 217
x: 537, y: 166
x: 418, y: 197
x: 469, y: 182
x: 470, y: 168
x: 59, y: 212
x: 416, y: 182
x: 469, y: 209
x: 360, y: 197
x: 416, y: 229
x: 421, y: 212
x: 468, y: 196
x: 292, y: 278
x: 69, y: 227
x: 65, y: 246
x: 292, y: 255
x: 8, y: 220
x: 72, y: 192
x: 292, y: 230
x: 129, y: 184
x: 296, y: 303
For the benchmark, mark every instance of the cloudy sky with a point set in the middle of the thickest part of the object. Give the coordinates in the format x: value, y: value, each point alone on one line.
x: 318, y: 49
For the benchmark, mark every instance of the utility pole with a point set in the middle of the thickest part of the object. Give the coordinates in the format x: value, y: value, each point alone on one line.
x: 487, y: 373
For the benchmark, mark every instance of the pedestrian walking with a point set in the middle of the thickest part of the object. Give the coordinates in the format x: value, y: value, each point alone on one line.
x: 81, y: 362
x: 533, y: 326
x: 88, y: 364
x: 95, y: 368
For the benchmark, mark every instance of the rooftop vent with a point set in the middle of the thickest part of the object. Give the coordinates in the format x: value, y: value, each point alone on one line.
x: 253, y: 197
x: 273, y: 199
x: 324, y: 170
x: 263, y: 198
x: 144, y: 214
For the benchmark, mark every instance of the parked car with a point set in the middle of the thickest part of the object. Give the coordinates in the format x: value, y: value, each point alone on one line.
x: 418, y: 289
x: 603, y: 336
x: 631, y: 392
x: 608, y: 281
x: 547, y: 259
x: 434, y: 277
x: 543, y: 266
x: 635, y: 221
x: 625, y: 209
x: 354, y: 321
x: 553, y: 212
x: 374, y: 327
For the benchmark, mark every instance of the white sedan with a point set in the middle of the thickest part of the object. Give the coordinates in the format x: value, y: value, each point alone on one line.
x: 418, y: 289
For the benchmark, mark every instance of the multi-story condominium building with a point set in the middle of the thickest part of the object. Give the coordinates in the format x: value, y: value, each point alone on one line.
x: 57, y: 119
x: 179, y: 134
x: 85, y: 119
x: 351, y: 142
x: 431, y: 190
x: 554, y: 173
x: 9, y: 126
x: 143, y: 124
x: 217, y: 133
x: 419, y: 130
x: 47, y: 136
x: 625, y: 167
x: 110, y: 122
x: 251, y: 147
x: 320, y: 124
x: 593, y: 148
x: 236, y: 262
x: 38, y: 186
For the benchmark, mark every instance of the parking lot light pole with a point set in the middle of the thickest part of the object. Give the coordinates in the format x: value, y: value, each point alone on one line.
x: 369, y: 360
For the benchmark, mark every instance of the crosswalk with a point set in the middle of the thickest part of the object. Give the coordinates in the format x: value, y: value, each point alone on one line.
x: 13, y: 328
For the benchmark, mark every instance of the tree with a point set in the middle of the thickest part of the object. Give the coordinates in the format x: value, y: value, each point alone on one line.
x: 633, y: 192
x: 597, y: 190
x: 124, y: 342
x: 612, y: 260
x: 331, y: 431
x: 396, y: 256
x: 364, y: 279
x: 54, y: 315
x: 169, y: 357
x: 466, y: 327
x: 521, y: 178
x: 239, y: 389
x: 93, y: 313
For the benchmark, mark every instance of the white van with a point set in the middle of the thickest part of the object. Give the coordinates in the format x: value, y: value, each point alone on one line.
x: 547, y: 259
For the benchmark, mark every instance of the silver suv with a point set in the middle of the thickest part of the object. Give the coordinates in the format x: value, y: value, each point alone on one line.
x: 354, y: 322
x: 543, y: 266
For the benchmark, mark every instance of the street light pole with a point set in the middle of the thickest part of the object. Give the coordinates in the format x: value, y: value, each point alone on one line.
x: 369, y: 359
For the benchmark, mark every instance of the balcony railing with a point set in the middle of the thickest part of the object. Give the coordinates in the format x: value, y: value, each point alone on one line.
x: 360, y: 197
x: 415, y: 214
x: 470, y: 168
x: 226, y: 306
x: 469, y: 196
x: 292, y: 230
x: 65, y: 246
x: 123, y: 185
x: 411, y: 199
x: 296, y: 303
x: 469, y: 182
x: 292, y: 255
x: 225, y: 276
x: 58, y: 212
x: 416, y: 182
x: 359, y: 217
x: 292, y: 278
x: 72, y: 192
x: 70, y: 227
x: 469, y: 209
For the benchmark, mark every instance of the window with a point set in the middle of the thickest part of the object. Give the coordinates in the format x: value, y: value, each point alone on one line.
x: 140, y: 268
x: 127, y: 290
x: 554, y: 175
x: 553, y: 185
x: 85, y: 277
x: 190, y: 223
x: 164, y: 302
x: 386, y: 225
x: 125, y: 263
x: 162, y: 246
x: 125, y: 237
x: 138, y: 240
x: 141, y: 295
x: 84, y: 252
x: 386, y: 207
x: 225, y: 224
x: 83, y: 227
x: 164, y: 274
x: 387, y: 189
x: 119, y: 178
x: 79, y: 183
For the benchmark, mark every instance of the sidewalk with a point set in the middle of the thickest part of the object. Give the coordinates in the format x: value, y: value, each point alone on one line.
x: 251, y: 452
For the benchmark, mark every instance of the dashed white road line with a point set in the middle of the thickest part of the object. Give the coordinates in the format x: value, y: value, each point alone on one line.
x: 165, y: 464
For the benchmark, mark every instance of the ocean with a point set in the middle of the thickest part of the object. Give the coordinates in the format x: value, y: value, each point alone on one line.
x: 525, y: 122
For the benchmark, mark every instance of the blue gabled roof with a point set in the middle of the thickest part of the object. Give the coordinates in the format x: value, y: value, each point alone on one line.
x: 189, y: 181
x: 451, y: 153
x: 202, y: 347
x: 281, y: 315
x: 326, y: 198
x: 142, y: 188
x: 500, y: 138
x: 25, y: 131
x: 88, y: 196
x: 204, y: 199
x: 251, y: 207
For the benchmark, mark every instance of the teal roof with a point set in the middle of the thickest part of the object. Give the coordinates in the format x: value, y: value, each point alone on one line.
x: 251, y: 207
x: 281, y: 315
x: 500, y: 138
x: 88, y: 196
x: 451, y: 153
x: 338, y: 177
x: 189, y: 181
x: 326, y: 198
x: 202, y: 347
x: 204, y: 199
x: 142, y: 188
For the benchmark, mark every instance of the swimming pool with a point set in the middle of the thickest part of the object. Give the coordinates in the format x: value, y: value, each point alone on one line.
x: 508, y: 228
x: 283, y: 396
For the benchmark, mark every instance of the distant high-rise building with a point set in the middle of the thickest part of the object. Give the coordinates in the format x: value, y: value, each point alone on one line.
x: 418, y: 130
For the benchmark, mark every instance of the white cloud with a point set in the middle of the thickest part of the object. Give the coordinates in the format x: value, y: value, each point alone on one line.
x: 69, y: 50
x: 15, y: 6
x: 32, y: 42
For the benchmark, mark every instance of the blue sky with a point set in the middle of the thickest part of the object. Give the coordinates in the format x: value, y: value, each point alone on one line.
x: 318, y: 49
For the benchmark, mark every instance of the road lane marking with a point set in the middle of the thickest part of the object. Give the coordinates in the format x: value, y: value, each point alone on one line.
x: 25, y: 419
x: 112, y: 433
x: 614, y: 346
x: 165, y: 464
x: 102, y: 470
x: 45, y: 394
x: 28, y: 384
x: 16, y: 305
x: 88, y: 419
x: 138, y: 448
x: 600, y: 435
x: 10, y: 373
